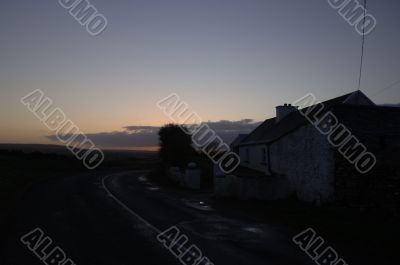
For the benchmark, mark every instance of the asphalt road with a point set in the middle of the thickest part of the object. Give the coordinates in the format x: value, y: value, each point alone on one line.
x: 114, y: 219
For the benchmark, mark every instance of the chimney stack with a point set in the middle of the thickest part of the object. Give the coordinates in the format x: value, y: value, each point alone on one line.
x: 283, y: 111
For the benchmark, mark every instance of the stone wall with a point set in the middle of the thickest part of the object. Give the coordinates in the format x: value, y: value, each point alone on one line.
x: 379, y: 188
x: 379, y: 130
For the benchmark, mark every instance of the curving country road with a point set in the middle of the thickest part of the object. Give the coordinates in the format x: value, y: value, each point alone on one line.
x: 114, y: 219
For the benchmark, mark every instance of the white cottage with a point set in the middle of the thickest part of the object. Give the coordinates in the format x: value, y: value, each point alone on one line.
x: 287, y: 156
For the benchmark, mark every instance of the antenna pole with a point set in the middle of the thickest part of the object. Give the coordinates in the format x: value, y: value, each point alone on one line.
x: 362, y: 46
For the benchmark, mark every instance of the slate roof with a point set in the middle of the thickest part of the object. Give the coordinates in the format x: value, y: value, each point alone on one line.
x: 238, y: 139
x: 270, y: 130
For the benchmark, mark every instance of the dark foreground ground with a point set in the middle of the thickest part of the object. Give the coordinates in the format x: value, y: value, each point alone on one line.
x: 113, y: 216
x: 83, y: 216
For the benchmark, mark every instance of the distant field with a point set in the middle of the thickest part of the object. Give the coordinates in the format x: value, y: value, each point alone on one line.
x: 113, y: 158
x: 60, y: 149
x: 44, y: 148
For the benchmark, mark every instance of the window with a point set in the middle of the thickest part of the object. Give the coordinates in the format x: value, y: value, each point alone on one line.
x: 247, y: 155
x: 263, y: 156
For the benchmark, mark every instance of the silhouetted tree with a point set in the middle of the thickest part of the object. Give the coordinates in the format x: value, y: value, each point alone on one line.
x: 176, y: 145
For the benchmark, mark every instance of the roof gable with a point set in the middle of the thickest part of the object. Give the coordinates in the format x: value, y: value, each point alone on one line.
x: 358, y: 98
x: 270, y: 130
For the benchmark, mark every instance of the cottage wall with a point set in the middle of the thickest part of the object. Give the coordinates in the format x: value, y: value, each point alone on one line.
x: 303, y: 159
x: 306, y: 159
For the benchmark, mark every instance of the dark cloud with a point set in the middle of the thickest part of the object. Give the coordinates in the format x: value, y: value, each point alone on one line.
x: 229, y: 130
x: 135, y: 128
x: 143, y: 136
x: 232, y: 126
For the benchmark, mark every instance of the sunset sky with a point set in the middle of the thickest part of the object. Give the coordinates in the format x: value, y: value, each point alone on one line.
x: 228, y: 59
